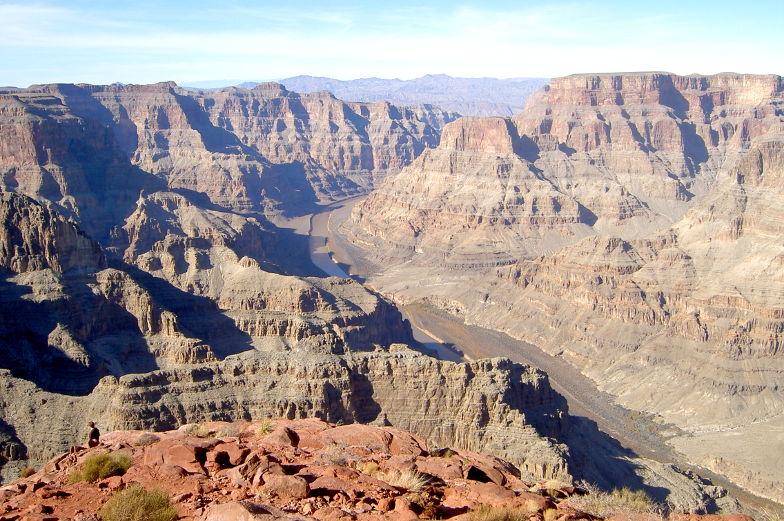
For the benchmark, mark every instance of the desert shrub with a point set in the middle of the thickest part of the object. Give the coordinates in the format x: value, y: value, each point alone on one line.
x: 135, y: 503
x: 409, y: 479
x: 488, y: 513
x: 264, y: 428
x: 26, y: 472
x: 145, y: 439
x: 101, y: 466
x: 625, y: 500
x: 443, y: 453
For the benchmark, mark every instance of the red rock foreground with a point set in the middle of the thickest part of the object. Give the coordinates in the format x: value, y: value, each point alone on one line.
x: 292, y: 470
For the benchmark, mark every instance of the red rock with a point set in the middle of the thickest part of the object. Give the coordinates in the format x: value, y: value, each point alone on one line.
x: 234, y: 453
x: 182, y: 497
x: 245, y: 511
x: 331, y: 514
x: 374, y: 438
x: 385, y: 504
x: 472, y: 494
x: 184, y: 456
x: 7, y: 493
x: 442, y: 468
x: 406, y: 443
x: 737, y: 517
x: 48, y: 492
x: 286, y: 486
x: 112, y: 483
x: 282, y: 436
x: 403, y: 510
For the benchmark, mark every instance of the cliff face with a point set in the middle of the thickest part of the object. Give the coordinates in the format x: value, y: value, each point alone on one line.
x: 235, y: 342
x: 629, y: 223
x: 264, y: 150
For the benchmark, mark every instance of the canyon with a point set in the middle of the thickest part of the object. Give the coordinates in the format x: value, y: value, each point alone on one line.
x: 145, y: 284
x: 629, y: 224
x: 158, y: 270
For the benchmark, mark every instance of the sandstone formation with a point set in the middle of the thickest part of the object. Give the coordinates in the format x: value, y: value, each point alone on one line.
x: 301, y: 470
x: 629, y: 223
x: 209, y: 332
x: 466, y: 96
x: 263, y: 150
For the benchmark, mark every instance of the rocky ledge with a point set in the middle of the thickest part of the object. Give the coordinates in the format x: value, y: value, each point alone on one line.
x: 297, y: 470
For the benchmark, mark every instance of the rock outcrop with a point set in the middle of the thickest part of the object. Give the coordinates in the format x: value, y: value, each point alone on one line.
x: 192, y: 332
x: 263, y: 150
x: 303, y: 470
x: 628, y: 223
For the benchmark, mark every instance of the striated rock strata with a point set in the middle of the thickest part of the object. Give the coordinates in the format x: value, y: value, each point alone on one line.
x: 630, y: 223
x: 263, y: 150
x: 200, y: 334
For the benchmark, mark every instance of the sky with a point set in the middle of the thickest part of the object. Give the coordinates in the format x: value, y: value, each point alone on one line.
x: 101, y: 42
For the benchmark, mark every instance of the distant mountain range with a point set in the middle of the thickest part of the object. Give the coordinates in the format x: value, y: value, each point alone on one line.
x: 467, y: 96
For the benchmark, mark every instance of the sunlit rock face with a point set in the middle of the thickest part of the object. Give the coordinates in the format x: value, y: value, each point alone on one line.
x: 630, y: 223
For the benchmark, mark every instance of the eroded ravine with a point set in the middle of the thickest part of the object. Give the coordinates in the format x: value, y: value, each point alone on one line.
x: 455, y: 340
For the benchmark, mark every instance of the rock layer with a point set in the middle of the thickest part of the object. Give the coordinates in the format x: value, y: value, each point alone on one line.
x: 629, y: 223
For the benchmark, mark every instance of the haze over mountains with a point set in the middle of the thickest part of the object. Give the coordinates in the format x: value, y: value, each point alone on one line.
x: 628, y: 224
x: 466, y: 96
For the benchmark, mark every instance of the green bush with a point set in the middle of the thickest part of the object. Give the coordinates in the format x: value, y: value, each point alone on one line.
x: 135, y: 503
x: 101, y: 466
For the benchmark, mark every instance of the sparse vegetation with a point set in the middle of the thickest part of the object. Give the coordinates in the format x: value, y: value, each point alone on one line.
x: 625, y: 500
x: 146, y: 439
x: 138, y: 504
x: 443, y: 453
x: 264, y: 428
x: 26, y: 472
x: 488, y: 513
x: 409, y: 479
x: 101, y: 466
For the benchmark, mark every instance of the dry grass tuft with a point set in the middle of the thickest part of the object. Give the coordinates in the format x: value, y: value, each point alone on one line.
x: 409, y: 479
x: 603, y: 504
x: 488, y: 513
x: 101, y: 466
x: 27, y: 472
x: 145, y: 439
x: 138, y: 504
x: 264, y: 428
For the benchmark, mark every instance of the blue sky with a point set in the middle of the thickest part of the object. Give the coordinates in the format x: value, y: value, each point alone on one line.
x: 144, y: 41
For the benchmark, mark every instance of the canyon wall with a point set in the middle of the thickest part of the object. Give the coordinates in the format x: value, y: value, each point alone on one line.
x: 629, y: 223
x: 144, y: 287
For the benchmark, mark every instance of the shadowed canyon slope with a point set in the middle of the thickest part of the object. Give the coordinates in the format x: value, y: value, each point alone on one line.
x: 629, y: 223
x: 143, y: 285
